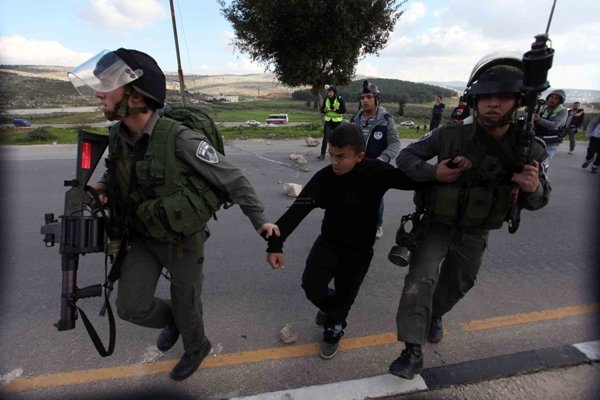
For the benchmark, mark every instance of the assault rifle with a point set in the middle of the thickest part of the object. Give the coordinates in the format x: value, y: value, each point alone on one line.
x: 80, y: 230
x: 536, y: 64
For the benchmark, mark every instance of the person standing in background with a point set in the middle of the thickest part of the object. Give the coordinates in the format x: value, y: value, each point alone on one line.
x: 574, y: 122
x: 436, y: 113
x: 333, y: 110
x: 380, y: 132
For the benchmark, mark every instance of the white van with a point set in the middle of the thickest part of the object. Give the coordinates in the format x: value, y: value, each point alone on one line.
x: 277, y: 119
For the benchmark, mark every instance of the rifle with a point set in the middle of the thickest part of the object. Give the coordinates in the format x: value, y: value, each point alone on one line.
x: 536, y: 64
x: 81, y: 230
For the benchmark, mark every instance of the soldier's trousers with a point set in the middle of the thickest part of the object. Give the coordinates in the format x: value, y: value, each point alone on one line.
x: 442, y: 269
x: 136, y: 301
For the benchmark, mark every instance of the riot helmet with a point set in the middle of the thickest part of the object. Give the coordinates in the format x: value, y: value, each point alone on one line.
x: 500, y: 72
x: 109, y: 70
x: 332, y: 88
x: 371, y: 88
x: 560, y: 93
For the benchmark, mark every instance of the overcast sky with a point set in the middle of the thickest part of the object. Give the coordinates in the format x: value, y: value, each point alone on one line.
x: 434, y: 40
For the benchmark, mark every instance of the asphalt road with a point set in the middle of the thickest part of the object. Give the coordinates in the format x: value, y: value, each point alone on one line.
x: 542, y: 279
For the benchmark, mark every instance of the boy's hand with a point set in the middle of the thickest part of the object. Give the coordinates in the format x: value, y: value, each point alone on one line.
x: 275, y: 260
x: 267, y: 230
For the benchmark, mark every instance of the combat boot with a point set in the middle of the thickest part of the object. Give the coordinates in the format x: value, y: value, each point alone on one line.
x: 436, y: 331
x: 409, y: 363
x: 189, y: 363
x: 167, y: 338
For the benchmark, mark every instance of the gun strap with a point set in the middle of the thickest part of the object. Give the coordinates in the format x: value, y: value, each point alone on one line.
x: 115, y: 270
x: 94, y: 335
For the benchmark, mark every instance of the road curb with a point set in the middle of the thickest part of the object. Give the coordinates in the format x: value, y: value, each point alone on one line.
x: 455, y: 374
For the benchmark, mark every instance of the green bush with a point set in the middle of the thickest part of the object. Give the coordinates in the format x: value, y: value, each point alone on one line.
x: 42, y: 134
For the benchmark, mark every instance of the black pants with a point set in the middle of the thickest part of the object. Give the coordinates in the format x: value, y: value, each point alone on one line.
x: 347, y: 268
x: 327, y: 129
x: 593, y: 150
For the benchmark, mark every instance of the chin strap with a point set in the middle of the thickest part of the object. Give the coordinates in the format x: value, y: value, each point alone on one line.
x: 510, y: 117
x: 123, y: 110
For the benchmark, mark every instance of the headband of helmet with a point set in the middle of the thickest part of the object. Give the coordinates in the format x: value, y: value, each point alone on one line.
x: 499, y: 72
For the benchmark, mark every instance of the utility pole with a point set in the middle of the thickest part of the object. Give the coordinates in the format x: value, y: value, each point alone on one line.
x: 179, y: 70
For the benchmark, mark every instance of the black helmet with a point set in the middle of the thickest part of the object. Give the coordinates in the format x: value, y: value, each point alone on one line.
x: 109, y: 70
x: 332, y: 88
x: 560, y: 93
x: 495, y: 73
x: 370, y: 88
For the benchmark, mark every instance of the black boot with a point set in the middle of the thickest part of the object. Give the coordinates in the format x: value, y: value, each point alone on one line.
x: 436, y: 331
x: 167, y: 338
x: 409, y: 363
x: 189, y: 363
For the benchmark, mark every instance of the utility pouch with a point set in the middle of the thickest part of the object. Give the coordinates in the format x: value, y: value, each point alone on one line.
x: 445, y: 207
x: 500, y: 209
x: 478, y: 204
x: 211, y: 199
x: 173, y: 217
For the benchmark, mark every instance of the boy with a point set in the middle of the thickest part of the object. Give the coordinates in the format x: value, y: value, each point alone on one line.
x: 350, y: 190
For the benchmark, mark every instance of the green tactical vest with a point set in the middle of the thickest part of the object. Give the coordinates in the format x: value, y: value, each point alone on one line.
x: 480, y: 198
x: 330, y: 115
x: 170, y: 203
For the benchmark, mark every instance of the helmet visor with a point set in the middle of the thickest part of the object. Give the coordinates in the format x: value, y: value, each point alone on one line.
x: 102, y: 73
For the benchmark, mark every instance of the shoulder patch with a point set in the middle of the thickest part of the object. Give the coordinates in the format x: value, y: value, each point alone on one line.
x: 207, y: 153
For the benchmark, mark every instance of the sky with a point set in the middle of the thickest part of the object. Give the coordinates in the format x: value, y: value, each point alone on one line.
x: 434, y: 40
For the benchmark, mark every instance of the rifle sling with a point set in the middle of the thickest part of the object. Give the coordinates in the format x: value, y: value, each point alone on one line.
x: 94, y: 335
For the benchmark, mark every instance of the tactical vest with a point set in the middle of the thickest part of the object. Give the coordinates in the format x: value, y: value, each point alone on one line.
x: 480, y: 198
x: 170, y: 202
x: 331, y: 115
x: 550, y: 137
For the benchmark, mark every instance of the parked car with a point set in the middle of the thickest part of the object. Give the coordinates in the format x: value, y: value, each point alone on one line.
x: 20, y: 122
x: 252, y: 123
x: 408, y: 124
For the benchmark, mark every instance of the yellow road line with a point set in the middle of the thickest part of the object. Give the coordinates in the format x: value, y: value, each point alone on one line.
x: 526, y: 318
x: 276, y: 353
x: 219, y: 360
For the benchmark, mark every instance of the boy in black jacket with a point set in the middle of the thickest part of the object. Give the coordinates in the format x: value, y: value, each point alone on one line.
x: 350, y: 191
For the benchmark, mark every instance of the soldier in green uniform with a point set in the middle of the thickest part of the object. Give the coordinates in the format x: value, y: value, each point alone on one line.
x: 164, y: 180
x: 476, y: 170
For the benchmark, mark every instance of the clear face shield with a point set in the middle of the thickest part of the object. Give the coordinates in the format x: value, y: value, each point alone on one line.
x: 104, y: 72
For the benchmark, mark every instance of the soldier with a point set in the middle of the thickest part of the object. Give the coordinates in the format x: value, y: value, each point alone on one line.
x: 161, y: 227
x: 470, y: 197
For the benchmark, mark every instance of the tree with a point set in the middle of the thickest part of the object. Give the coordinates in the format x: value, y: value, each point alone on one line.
x: 311, y: 42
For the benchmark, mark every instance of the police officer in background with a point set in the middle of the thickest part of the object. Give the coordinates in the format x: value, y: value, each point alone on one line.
x: 333, y: 109
x: 380, y: 133
x: 550, y: 121
x: 131, y: 88
x: 475, y: 172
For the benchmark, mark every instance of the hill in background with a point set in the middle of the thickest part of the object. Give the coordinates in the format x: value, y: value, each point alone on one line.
x: 37, y: 86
